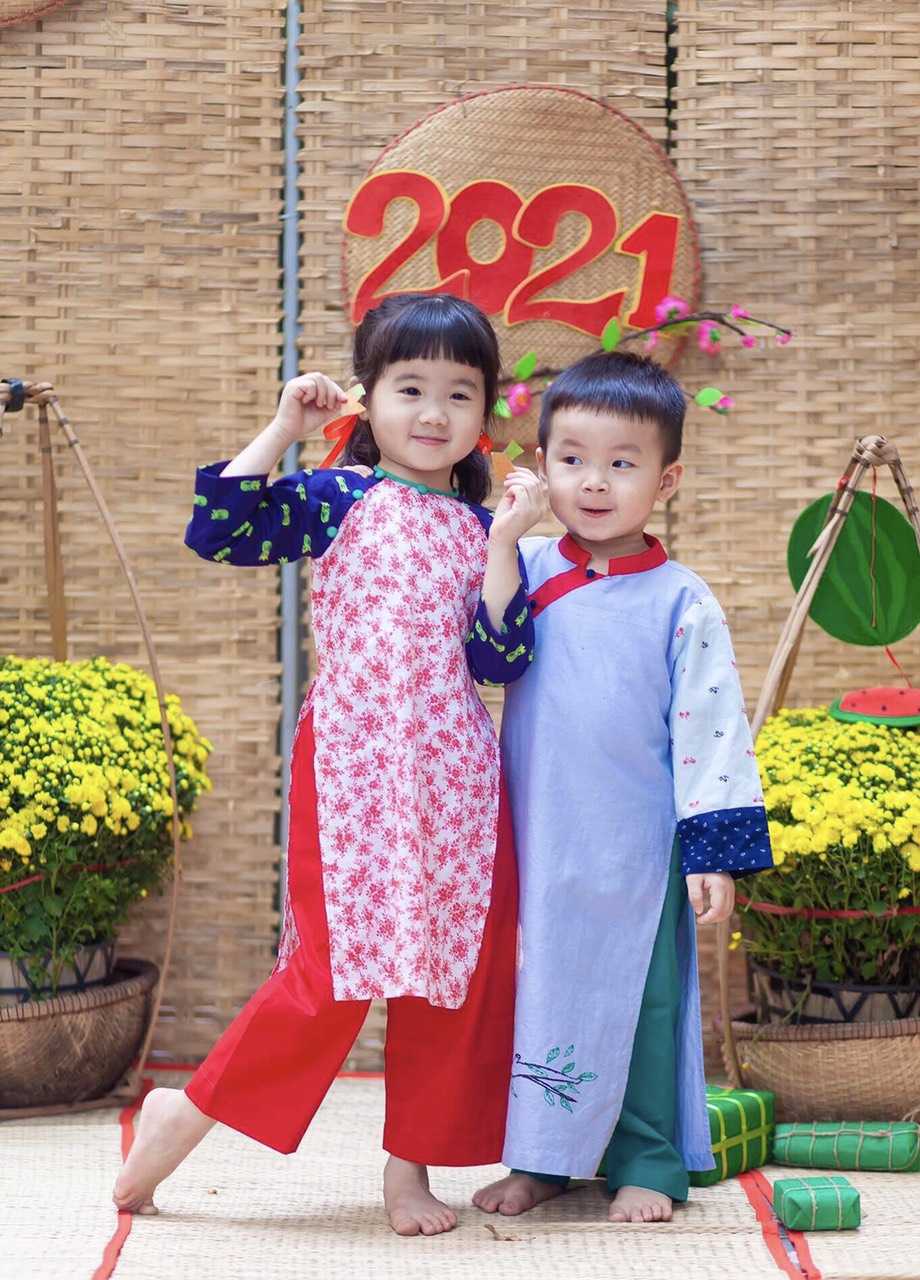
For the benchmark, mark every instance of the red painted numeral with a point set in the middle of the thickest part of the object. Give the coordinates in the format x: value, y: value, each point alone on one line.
x: 366, y: 216
x: 493, y: 280
x: 536, y: 225
x: 654, y: 241
x: 505, y: 284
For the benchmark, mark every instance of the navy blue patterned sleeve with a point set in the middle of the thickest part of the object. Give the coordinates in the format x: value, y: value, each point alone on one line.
x: 244, y: 520
x: 502, y: 656
x: 732, y: 840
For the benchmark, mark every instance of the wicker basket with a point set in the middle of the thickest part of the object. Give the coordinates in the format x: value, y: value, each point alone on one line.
x: 849, y: 1071
x: 76, y: 1048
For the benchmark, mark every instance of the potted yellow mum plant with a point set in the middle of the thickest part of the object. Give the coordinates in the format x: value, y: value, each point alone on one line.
x: 833, y: 932
x: 99, y: 771
x: 85, y: 814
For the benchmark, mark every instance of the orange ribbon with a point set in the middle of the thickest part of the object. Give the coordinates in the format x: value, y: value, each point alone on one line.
x: 339, y: 430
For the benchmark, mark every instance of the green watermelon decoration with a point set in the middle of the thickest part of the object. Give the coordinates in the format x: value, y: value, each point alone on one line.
x: 868, y: 592
x: 884, y: 704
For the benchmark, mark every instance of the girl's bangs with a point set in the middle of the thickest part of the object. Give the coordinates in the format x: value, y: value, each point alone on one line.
x: 435, y: 331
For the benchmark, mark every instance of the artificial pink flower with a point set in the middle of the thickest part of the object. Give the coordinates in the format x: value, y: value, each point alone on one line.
x: 739, y: 313
x: 519, y: 399
x: 723, y: 405
x: 651, y: 342
x: 783, y: 338
x: 709, y: 338
x: 749, y: 340
x: 671, y: 309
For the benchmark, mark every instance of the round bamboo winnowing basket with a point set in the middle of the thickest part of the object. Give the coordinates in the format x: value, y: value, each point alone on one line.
x: 13, y: 11
x: 825, y: 1072
x: 529, y: 138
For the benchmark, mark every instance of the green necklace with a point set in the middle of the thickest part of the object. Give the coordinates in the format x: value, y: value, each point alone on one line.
x: 413, y: 484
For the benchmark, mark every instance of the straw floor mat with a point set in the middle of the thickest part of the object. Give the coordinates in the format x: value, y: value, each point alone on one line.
x: 235, y: 1211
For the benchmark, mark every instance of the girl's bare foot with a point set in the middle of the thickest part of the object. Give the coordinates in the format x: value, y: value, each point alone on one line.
x: 410, y: 1206
x: 639, y: 1204
x: 170, y: 1127
x: 515, y: 1194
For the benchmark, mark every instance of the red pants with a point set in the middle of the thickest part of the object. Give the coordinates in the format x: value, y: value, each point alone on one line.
x: 447, y: 1070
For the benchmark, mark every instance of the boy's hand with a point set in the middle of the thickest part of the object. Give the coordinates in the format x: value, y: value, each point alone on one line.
x: 721, y: 889
x: 306, y: 404
x: 520, y: 508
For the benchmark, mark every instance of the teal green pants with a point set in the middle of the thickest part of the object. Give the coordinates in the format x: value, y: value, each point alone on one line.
x: 641, y: 1152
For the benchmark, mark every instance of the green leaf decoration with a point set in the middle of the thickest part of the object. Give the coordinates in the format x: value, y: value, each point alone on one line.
x: 553, y: 1054
x: 587, y: 1075
x: 501, y: 408
x: 707, y: 396
x: 525, y: 366
x: 513, y: 450
x: 564, y: 1102
x: 569, y: 1066
x: 569, y: 1051
x: 611, y: 334
x: 846, y: 604
x: 549, y: 1096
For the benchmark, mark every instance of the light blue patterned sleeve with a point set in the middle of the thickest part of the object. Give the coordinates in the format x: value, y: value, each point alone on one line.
x: 721, y: 819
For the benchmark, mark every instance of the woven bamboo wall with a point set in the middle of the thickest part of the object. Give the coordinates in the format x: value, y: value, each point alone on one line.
x: 139, y: 217
x: 797, y: 130
x: 139, y: 226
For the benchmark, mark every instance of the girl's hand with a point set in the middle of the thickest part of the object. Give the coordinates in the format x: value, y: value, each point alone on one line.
x: 306, y: 404
x: 721, y: 889
x: 520, y: 508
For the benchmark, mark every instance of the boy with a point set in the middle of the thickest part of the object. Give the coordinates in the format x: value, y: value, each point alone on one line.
x: 629, y: 729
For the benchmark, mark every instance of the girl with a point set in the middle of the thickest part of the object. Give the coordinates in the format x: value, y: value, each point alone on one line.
x: 401, y: 865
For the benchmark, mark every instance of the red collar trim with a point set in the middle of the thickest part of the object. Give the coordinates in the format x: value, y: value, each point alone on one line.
x: 650, y: 559
x: 580, y: 575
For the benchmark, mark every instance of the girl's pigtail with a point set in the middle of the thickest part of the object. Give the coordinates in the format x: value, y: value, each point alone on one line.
x: 473, y: 477
x: 361, y: 449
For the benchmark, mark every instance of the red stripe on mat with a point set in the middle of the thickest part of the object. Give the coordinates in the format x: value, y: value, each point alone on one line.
x: 126, y: 1121
x: 760, y: 1194
x: 125, y: 1220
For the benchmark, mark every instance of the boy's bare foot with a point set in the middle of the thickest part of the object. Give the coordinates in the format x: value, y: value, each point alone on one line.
x: 170, y: 1127
x: 410, y: 1206
x: 639, y: 1204
x: 515, y: 1194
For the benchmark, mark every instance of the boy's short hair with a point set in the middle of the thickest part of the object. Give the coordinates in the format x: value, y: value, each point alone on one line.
x: 620, y: 382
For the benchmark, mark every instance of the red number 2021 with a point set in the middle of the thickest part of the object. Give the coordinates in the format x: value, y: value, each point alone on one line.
x: 506, y: 283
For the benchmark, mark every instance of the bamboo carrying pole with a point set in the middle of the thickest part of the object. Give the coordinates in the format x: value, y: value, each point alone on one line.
x: 870, y: 451
x: 15, y: 394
